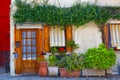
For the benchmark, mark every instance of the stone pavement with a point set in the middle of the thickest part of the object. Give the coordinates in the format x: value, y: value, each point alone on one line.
x: 6, y: 76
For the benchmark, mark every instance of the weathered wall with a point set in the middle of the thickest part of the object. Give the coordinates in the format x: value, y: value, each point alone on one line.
x: 108, y: 2
x: 87, y: 36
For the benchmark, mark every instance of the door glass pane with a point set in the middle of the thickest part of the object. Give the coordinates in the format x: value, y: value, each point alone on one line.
x: 29, y: 34
x: 28, y: 41
x: 24, y: 41
x: 33, y: 48
x: 24, y: 49
x: 33, y: 41
x: 23, y: 34
x: 24, y: 56
x: 29, y: 49
x: 34, y: 56
x: 28, y: 56
x: 33, y: 34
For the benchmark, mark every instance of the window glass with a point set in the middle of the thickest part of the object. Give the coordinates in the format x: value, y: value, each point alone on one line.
x: 33, y: 41
x: 24, y: 41
x: 33, y: 34
x: 29, y: 49
x: 33, y: 48
x: 28, y: 56
x: 23, y: 34
x: 24, y: 56
x: 24, y: 49
x: 33, y: 56
x: 28, y: 41
x: 29, y: 34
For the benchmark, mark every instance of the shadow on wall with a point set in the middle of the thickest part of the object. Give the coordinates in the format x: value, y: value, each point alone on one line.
x: 4, y: 60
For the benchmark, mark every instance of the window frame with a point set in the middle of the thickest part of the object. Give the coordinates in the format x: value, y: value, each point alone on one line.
x: 109, y: 43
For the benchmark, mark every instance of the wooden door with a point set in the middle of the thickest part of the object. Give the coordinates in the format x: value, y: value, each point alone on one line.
x: 29, y: 51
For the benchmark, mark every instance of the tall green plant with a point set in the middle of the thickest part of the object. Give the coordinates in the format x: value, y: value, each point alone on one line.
x: 100, y: 58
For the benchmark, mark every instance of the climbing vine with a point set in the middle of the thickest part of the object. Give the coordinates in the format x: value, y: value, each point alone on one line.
x: 76, y: 15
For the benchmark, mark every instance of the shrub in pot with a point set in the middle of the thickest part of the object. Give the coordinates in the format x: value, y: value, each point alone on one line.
x: 70, y: 66
x: 100, y: 59
x: 53, y: 68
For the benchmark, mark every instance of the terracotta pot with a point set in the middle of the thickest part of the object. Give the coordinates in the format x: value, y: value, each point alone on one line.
x: 69, y: 49
x: 65, y: 73
x: 43, y: 70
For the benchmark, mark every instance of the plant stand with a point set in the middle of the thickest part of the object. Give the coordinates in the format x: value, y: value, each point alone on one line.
x: 53, y: 70
x: 43, y: 70
x: 93, y: 72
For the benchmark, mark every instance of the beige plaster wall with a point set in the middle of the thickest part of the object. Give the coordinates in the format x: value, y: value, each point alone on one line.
x: 87, y: 36
x: 108, y: 2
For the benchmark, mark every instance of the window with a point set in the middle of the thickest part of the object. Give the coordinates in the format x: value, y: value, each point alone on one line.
x: 28, y: 45
x: 57, y: 37
x: 114, y: 30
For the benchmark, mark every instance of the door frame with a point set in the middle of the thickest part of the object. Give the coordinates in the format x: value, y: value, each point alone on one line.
x: 17, y: 32
x: 28, y: 61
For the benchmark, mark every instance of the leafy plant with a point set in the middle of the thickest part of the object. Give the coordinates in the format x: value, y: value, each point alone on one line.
x: 72, y: 62
x: 100, y: 58
x: 76, y: 15
x: 61, y: 51
x: 42, y: 59
x: 53, y: 60
x: 62, y: 63
x: 54, y: 50
x: 72, y: 44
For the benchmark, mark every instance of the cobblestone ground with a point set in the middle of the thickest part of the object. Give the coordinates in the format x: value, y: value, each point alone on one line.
x: 6, y: 76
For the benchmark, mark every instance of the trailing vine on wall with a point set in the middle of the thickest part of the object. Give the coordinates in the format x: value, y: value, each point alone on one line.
x: 76, y: 15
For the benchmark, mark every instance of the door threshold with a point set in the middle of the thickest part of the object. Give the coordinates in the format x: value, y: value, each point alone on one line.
x: 29, y: 74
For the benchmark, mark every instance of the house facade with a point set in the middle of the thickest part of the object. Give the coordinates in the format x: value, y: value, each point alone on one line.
x: 29, y: 40
x: 4, y: 31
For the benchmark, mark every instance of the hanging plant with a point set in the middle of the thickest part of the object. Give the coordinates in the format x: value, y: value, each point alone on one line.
x: 76, y: 15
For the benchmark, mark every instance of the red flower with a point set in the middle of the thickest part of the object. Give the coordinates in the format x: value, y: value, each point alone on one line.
x: 61, y: 49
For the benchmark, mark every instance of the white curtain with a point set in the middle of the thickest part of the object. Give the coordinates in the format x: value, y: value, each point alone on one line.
x: 57, y: 36
x: 115, y: 35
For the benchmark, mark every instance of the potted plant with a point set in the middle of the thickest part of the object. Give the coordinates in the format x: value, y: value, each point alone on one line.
x: 43, y: 67
x: 71, y: 44
x: 97, y: 60
x: 54, y: 50
x: 53, y: 68
x: 70, y: 66
x: 61, y: 51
